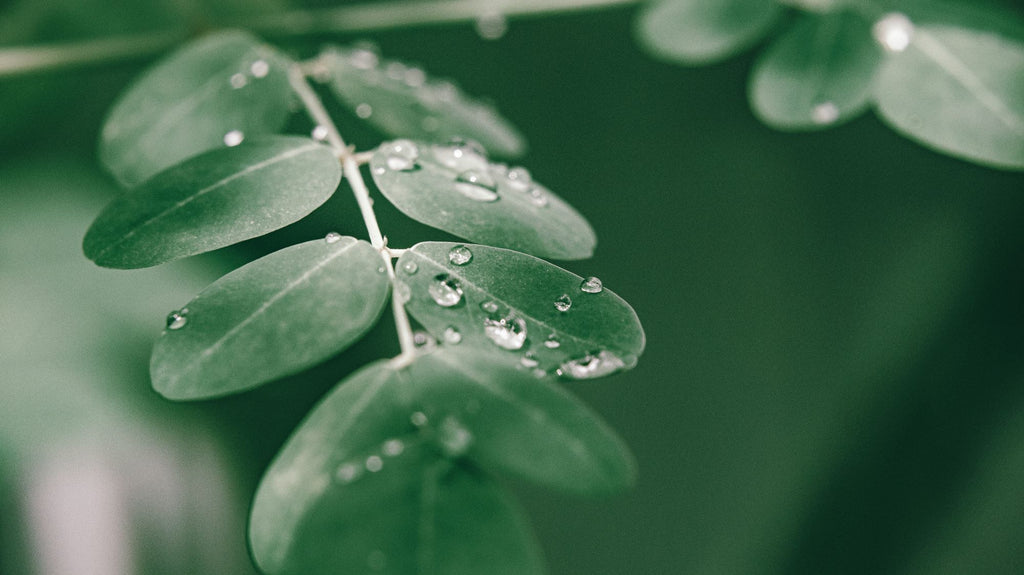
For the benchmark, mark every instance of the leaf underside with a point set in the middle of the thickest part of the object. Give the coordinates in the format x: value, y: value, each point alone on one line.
x: 705, y: 31
x: 275, y: 316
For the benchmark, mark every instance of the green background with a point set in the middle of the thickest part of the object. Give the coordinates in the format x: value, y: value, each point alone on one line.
x: 834, y: 377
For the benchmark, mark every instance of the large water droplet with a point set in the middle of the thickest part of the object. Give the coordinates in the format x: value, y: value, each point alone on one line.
x: 592, y: 285
x: 393, y: 447
x: 374, y: 463
x: 332, y: 237
x: 460, y: 255
x: 177, y: 319
x: 893, y: 31
x: 454, y: 437
x: 401, y: 155
x: 410, y: 267
x: 259, y: 68
x: 238, y: 80
x: 507, y: 332
x: 475, y: 192
x: 563, y: 303
x: 233, y: 138
x: 452, y: 335
x: 445, y: 290
x: 591, y: 365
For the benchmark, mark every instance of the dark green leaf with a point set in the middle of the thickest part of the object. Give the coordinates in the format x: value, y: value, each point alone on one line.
x: 507, y: 305
x: 214, y: 200
x: 273, y: 317
x: 403, y: 101
x: 226, y: 83
x: 455, y: 188
x: 705, y: 31
x: 960, y: 92
x: 817, y: 74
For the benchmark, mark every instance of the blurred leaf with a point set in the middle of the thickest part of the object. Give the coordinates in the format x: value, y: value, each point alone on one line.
x: 214, y: 200
x: 817, y: 74
x: 403, y: 101
x: 506, y: 304
x: 960, y: 92
x: 705, y: 31
x: 191, y: 100
x: 456, y: 189
x: 273, y: 317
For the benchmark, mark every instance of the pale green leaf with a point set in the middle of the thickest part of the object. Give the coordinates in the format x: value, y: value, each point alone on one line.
x: 214, y: 200
x: 189, y: 102
x: 958, y: 91
x: 453, y: 187
x: 273, y: 317
x: 705, y: 31
x: 507, y: 305
x: 817, y: 74
x: 403, y: 101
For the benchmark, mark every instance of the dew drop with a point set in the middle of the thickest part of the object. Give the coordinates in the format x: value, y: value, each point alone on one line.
x: 445, y: 291
x: 592, y: 285
x: 414, y: 77
x: 452, y: 335
x: 460, y: 255
x: 419, y: 419
x: 491, y: 25
x: 591, y: 365
x: 364, y: 58
x: 393, y: 447
x: 528, y: 360
x: 507, y: 332
x: 476, y: 192
x: 519, y: 179
x: 893, y: 31
x: 454, y: 437
x: 489, y: 306
x: 396, y: 70
x: 410, y: 267
x: 333, y: 237
x: 364, y: 110
x: 238, y: 80
x: 233, y: 138
x: 347, y: 472
x: 538, y: 197
x: 424, y: 341
x: 563, y: 303
x: 552, y: 342
x: 461, y: 155
x: 401, y: 155
x: 374, y: 463
x: 177, y: 319
x: 319, y: 133
x: 259, y: 68
x: 825, y: 113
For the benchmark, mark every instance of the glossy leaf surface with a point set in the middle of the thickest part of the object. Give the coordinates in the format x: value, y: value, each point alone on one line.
x: 403, y: 101
x: 705, y: 31
x: 509, y: 307
x: 817, y: 74
x: 960, y: 92
x: 456, y: 189
x: 190, y: 101
x: 214, y: 200
x: 273, y: 317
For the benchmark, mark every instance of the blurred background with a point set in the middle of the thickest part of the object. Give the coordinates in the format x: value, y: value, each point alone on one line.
x: 834, y: 378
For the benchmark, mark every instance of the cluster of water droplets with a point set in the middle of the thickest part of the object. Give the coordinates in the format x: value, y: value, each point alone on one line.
x: 239, y: 80
x: 353, y: 469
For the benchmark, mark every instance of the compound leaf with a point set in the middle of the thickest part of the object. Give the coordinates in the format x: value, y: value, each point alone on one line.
x: 508, y: 305
x: 817, y: 74
x: 214, y: 200
x: 705, y: 31
x: 225, y: 83
x: 272, y: 317
x: 403, y: 101
x: 453, y: 187
x: 958, y: 91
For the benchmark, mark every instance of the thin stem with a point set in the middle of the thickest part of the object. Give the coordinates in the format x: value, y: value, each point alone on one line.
x: 315, y: 108
x: 402, y: 325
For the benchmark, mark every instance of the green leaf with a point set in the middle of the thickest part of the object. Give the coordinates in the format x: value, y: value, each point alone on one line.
x: 506, y: 305
x: 189, y: 103
x: 455, y: 188
x: 403, y: 101
x: 817, y: 74
x: 958, y: 91
x: 272, y: 317
x: 705, y: 31
x: 214, y: 200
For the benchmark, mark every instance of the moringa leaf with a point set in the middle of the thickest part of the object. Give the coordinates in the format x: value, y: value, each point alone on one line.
x: 508, y: 305
x: 214, y: 200
x: 272, y: 317
x: 403, y: 101
x: 455, y: 188
x: 817, y: 74
x: 958, y: 91
x: 189, y: 102
x: 704, y: 31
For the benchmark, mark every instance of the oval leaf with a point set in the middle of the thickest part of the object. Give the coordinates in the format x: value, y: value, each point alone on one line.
x: 454, y: 188
x: 189, y: 102
x: 272, y: 317
x: 509, y: 304
x: 705, y: 31
x: 960, y: 92
x: 214, y: 200
x: 403, y: 101
x: 817, y: 74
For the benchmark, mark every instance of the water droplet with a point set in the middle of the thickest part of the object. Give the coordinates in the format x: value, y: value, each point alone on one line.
x: 348, y: 472
x: 233, y: 138
x: 381, y: 270
x: 591, y: 365
x: 396, y: 70
x: 460, y: 255
x: 177, y: 319
x: 491, y: 25
x: 319, y: 133
x: 528, y: 360
x: 538, y: 197
x: 462, y: 155
x: 893, y: 31
x: 259, y: 68
x: 424, y: 341
x: 364, y: 110
x: 454, y: 437
x: 475, y: 192
x: 445, y: 291
x: 238, y: 80
x: 825, y: 113
x: 410, y: 267
x: 401, y: 155
x: 393, y: 447
x: 489, y: 306
x: 402, y: 292
x: 452, y: 335
x: 552, y: 342
x: 519, y: 179
x: 364, y: 58
x: 591, y: 285
x: 507, y: 332
x: 419, y: 419
x: 563, y: 303
x: 374, y: 463
x: 414, y: 77
x: 332, y: 237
